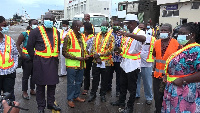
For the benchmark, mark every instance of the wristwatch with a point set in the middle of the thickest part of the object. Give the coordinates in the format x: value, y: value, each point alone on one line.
x: 184, y: 82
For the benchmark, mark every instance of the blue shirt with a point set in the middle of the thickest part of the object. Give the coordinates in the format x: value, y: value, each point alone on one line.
x: 117, y: 58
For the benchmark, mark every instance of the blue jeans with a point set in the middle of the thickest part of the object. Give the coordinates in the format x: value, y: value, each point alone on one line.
x: 146, y: 74
x: 74, y: 80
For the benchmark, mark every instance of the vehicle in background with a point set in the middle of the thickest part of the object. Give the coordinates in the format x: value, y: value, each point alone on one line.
x: 175, y: 31
x: 95, y: 18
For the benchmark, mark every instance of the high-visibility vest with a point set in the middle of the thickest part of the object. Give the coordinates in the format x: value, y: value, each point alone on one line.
x: 61, y: 35
x: 125, y: 45
x: 103, y: 47
x: 24, y: 50
x: 75, y: 49
x: 93, y: 29
x: 150, y: 54
x: 48, y: 52
x: 161, y: 61
x: 153, y: 32
x: 89, y: 37
x: 171, y: 78
x: 5, y: 59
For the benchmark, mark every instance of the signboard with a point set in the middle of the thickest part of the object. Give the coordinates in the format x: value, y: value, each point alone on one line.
x: 172, y: 7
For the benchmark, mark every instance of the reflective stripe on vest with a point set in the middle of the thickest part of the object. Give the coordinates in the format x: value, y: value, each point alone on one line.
x: 103, y: 47
x: 5, y: 59
x: 150, y: 55
x: 161, y: 60
x: 171, y: 78
x: 48, y: 52
x: 61, y: 35
x: 89, y: 37
x: 75, y: 49
x: 24, y: 49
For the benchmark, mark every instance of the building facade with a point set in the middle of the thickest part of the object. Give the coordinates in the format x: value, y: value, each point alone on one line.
x: 77, y: 7
x: 177, y: 12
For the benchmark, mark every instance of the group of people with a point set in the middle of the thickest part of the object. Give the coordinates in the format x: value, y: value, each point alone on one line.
x: 169, y: 67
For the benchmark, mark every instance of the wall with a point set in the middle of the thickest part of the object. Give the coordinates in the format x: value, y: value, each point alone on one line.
x: 159, y: 2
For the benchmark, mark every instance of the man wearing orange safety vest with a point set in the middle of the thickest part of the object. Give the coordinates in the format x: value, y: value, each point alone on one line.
x: 46, y: 41
x: 63, y: 33
x: 131, y: 62
x: 146, y: 67
x: 8, y: 60
x: 163, y: 48
x: 74, y: 51
x: 102, y: 51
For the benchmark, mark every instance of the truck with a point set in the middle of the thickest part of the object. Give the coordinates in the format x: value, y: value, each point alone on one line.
x: 95, y: 18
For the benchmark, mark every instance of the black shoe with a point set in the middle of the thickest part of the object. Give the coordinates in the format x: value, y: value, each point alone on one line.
x: 117, y: 94
x: 103, y: 99
x: 54, y: 107
x: 127, y: 110
x: 91, y: 98
x: 40, y: 111
x: 117, y: 103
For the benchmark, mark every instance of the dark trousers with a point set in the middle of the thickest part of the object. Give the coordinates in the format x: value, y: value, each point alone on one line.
x: 128, y: 81
x: 27, y: 67
x: 96, y: 72
x: 7, y: 83
x: 117, y: 69
x: 40, y: 95
x: 158, y: 96
x: 87, y: 73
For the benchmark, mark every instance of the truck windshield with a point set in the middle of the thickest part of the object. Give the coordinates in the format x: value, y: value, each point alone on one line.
x: 96, y: 21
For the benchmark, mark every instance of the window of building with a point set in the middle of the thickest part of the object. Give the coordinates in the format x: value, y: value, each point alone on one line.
x: 122, y: 7
x: 195, y: 5
x: 104, y: 8
x: 107, y: 8
x: 170, y: 13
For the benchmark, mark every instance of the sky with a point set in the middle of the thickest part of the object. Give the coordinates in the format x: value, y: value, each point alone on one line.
x: 34, y: 8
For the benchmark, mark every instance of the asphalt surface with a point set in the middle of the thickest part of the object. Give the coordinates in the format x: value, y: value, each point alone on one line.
x: 93, y: 107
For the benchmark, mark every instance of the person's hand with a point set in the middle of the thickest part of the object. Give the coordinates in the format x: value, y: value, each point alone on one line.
x: 165, y: 79
x: 87, y: 57
x: 116, y: 53
x: 119, y: 33
x: 80, y: 58
x: 178, y: 82
x: 23, y: 56
x: 7, y: 107
x: 98, y: 60
x: 96, y: 56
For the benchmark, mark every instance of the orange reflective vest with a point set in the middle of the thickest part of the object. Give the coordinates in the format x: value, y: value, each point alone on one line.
x: 75, y: 49
x: 24, y: 50
x: 150, y: 55
x: 171, y: 78
x: 161, y: 60
x: 48, y: 52
x: 98, y: 42
x: 5, y: 59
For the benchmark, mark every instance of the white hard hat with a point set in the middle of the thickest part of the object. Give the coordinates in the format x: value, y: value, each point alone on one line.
x: 131, y: 17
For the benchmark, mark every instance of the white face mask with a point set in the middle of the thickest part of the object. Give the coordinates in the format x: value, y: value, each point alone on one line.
x: 34, y: 26
x: 64, y: 28
x: 164, y: 35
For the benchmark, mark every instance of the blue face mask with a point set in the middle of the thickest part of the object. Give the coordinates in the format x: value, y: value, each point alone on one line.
x: 125, y: 27
x: 48, y: 24
x: 81, y: 30
x: 4, y: 30
x: 182, y: 39
x: 34, y: 26
x: 163, y: 35
x: 148, y: 27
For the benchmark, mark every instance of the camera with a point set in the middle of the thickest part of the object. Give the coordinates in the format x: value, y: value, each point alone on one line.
x: 5, y: 96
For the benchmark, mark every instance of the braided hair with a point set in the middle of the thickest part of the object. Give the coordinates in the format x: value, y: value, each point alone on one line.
x: 193, y: 28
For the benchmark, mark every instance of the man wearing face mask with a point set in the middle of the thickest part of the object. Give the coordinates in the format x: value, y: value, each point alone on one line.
x: 149, y: 30
x: 163, y: 48
x: 74, y: 51
x: 45, y: 40
x: 103, y: 46
x: 63, y: 34
x: 8, y: 60
x: 131, y: 46
x: 27, y: 64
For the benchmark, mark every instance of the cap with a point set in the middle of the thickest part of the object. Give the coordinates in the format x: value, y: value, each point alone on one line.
x: 131, y: 17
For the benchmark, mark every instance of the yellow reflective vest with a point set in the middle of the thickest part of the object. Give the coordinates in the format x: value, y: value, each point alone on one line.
x: 150, y: 55
x: 5, y: 58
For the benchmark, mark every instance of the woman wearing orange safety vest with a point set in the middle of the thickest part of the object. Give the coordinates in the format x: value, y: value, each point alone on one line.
x: 27, y: 64
x: 163, y: 48
x: 8, y: 60
x: 182, y: 69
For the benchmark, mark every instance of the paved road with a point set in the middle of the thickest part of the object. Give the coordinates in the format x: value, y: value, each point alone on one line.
x: 93, y: 107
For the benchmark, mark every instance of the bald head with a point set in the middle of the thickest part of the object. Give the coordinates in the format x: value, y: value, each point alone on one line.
x: 105, y: 23
x: 116, y: 23
x: 87, y: 17
x: 49, y: 16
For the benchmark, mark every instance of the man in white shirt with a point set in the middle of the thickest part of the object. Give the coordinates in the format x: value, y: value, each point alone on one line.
x: 149, y: 30
x: 146, y: 68
x: 63, y: 33
x: 131, y: 62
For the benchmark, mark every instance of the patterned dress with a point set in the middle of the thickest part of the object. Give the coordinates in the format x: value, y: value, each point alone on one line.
x: 185, y: 99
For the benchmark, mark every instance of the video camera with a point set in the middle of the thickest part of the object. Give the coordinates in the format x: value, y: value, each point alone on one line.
x: 6, y: 96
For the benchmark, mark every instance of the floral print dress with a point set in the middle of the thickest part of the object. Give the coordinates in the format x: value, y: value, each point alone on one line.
x: 185, y: 99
